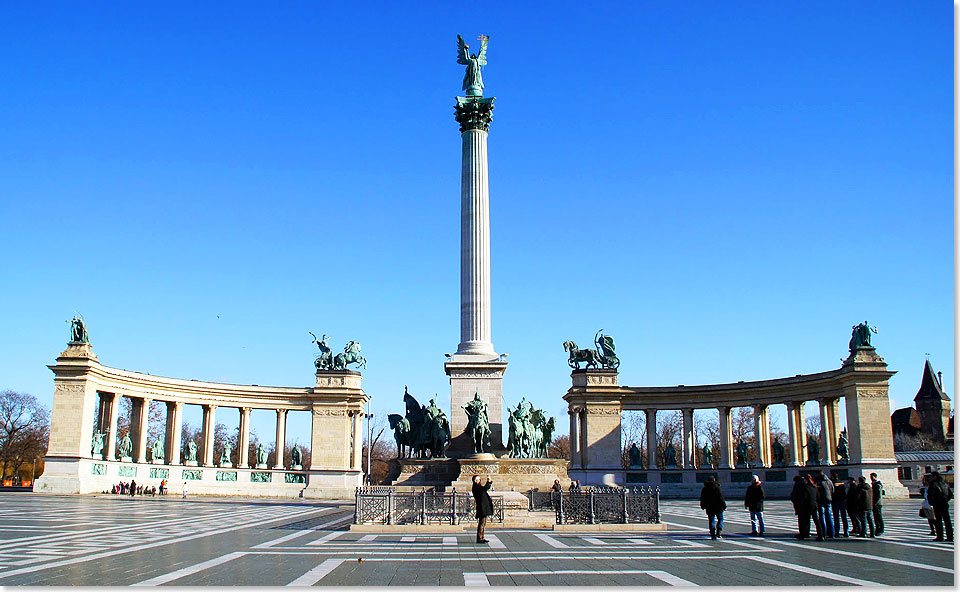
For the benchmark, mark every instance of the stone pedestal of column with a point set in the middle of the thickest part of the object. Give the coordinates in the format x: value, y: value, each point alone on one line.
x: 467, y: 379
x: 337, y: 397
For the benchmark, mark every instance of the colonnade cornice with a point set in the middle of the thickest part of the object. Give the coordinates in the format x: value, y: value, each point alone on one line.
x: 196, y: 392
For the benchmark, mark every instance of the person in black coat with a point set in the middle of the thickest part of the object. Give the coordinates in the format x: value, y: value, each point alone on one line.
x: 484, y: 505
x: 804, y: 498
x: 865, y: 507
x: 840, y: 509
x: 712, y: 502
x: 939, y: 494
x: 753, y: 501
x: 876, y: 487
x: 853, y: 510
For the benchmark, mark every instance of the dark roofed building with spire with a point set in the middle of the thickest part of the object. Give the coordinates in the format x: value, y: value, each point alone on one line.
x: 930, y: 416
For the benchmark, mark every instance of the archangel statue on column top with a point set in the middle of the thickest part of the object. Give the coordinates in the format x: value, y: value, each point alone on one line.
x: 472, y: 80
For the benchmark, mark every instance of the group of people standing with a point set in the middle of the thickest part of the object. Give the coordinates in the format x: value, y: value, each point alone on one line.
x: 131, y: 488
x: 852, y: 507
x: 854, y: 504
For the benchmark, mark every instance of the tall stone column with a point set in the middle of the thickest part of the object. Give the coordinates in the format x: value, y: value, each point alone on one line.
x: 726, y: 439
x: 111, y: 448
x: 652, y: 463
x: 141, y: 422
x: 826, y: 454
x: 761, y: 434
x: 243, y: 455
x: 358, y: 440
x: 209, y: 428
x: 475, y: 369
x: 281, y: 437
x: 797, y: 432
x: 574, y: 413
x: 689, y: 454
x: 173, y: 439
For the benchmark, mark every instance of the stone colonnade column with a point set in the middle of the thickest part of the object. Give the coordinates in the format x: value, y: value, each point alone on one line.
x: 827, y: 428
x: 797, y: 430
x: 358, y: 440
x: 111, y: 447
x: 651, y: 439
x: 243, y: 455
x: 574, y: 413
x: 726, y: 439
x: 582, y: 433
x: 281, y: 437
x: 173, y: 436
x: 761, y: 432
x: 689, y: 454
x: 833, y: 421
x: 141, y: 423
x: 209, y: 427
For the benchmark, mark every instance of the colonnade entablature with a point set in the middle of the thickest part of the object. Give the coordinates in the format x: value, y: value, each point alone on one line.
x: 85, y: 451
x: 596, y: 402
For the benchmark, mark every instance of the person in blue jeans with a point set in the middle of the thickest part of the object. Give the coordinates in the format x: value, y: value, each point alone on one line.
x: 824, y: 501
x: 753, y: 501
x: 712, y: 502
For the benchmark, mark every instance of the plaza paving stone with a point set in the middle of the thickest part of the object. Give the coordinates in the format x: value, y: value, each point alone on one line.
x: 111, y: 541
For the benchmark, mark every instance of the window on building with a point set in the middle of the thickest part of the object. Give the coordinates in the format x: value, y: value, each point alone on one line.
x: 927, y: 469
x: 905, y: 473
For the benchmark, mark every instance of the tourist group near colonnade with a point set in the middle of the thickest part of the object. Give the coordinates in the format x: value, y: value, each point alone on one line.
x: 85, y: 454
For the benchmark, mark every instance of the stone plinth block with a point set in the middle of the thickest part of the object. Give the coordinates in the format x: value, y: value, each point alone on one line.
x: 469, y: 377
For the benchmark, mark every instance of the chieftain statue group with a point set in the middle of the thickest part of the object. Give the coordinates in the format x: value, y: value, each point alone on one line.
x: 422, y: 432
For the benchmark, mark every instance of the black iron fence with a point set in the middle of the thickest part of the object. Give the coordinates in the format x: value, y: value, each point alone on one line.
x: 386, y: 505
x: 600, y: 505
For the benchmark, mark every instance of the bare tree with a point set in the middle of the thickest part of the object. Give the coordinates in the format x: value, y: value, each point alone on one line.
x: 669, y: 431
x: 560, y: 447
x: 812, y: 424
x: 380, y: 450
x: 156, y: 420
x: 903, y: 442
x: 24, y: 430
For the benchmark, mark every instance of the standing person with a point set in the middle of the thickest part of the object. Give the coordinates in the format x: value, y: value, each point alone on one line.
x: 939, y: 494
x: 877, y: 488
x: 840, y: 510
x: 926, y: 510
x: 484, y: 505
x: 797, y: 495
x: 133, y: 488
x: 813, y: 497
x: 824, y: 503
x: 712, y: 502
x: 753, y: 501
x: 184, y: 490
x: 865, y: 507
x: 557, y: 488
x: 853, y: 506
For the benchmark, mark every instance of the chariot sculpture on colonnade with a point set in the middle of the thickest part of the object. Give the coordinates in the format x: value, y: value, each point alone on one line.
x: 604, y: 356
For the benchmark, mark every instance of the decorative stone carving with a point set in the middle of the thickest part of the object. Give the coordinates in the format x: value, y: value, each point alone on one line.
x: 474, y: 113
x: 603, y: 410
x: 334, y: 412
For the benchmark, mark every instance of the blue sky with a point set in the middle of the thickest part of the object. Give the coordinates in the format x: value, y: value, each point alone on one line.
x: 725, y: 189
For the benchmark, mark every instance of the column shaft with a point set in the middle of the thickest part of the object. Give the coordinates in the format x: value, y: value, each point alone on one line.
x: 281, y: 437
x: 475, y: 325
x: 174, y: 435
x: 111, y: 447
x: 798, y: 432
x: 652, y: 462
x: 761, y: 434
x: 141, y: 419
x: 689, y: 454
x: 826, y: 456
x: 243, y: 455
x: 209, y: 429
x: 726, y: 439
x: 574, y: 438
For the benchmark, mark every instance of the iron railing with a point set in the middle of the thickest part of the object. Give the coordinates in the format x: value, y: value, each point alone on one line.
x: 599, y: 505
x: 386, y: 505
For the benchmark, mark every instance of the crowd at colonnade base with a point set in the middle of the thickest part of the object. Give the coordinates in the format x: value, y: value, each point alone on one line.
x: 131, y: 488
x: 838, y: 509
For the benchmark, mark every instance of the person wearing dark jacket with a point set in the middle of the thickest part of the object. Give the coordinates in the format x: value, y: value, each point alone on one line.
x: 712, y: 502
x: 484, y: 505
x: 840, y: 510
x: 939, y: 494
x: 877, y: 488
x: 865, y: 506
x: 804, y: 498
x: 824, y: 503
x: 853, y: 509
x: 753, y: 501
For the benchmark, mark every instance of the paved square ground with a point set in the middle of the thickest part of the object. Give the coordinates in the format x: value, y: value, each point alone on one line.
x: 113, y: 540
